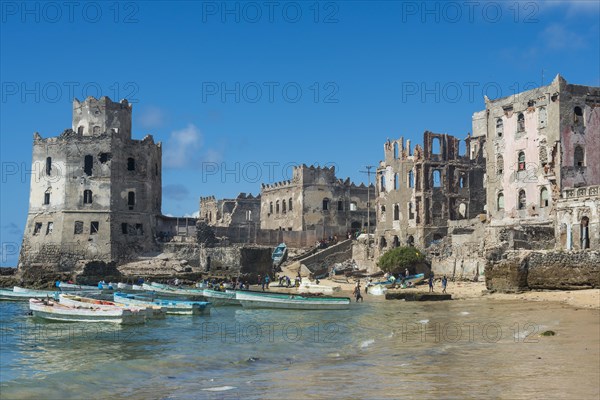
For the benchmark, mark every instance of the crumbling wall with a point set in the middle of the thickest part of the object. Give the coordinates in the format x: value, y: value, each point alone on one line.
x: 315, y: 198
x: 95, y: 192
x: 236, y: 260
x: 522, y: 270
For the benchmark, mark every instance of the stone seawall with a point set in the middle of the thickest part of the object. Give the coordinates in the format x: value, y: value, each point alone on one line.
x: 549, y: 270
x: 334, y: 254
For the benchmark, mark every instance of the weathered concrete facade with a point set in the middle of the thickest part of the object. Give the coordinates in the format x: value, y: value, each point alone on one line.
x: 95, y: 192
x: 244, y: 210
x: 314, y: 198
x: 539, y: 142
x: 578, y: 219
x: 419, y: 191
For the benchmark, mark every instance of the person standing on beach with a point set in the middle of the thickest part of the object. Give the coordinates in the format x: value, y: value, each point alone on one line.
x: 431, y: 283
x: 357, y: 292
x: 444, y: 283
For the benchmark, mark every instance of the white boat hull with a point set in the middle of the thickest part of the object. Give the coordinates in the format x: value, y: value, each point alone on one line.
x: 76, y: 301
x: 170, y: 307
x: 56, y: 312
x: 291, y: 302
x: 306, y: 286
x: 24, y: 294
x: 217, y: 298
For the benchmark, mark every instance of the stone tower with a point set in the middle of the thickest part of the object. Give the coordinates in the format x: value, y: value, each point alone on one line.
x: 95, y: 192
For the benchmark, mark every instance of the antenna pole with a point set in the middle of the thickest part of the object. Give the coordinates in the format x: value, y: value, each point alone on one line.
x: 368, y: 172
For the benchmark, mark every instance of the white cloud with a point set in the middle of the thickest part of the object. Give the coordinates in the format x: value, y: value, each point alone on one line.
x: 558, y: 37
x: 195, y: 214
x: 182, y: 146
x: 151, y: 118
x: 572, y: 8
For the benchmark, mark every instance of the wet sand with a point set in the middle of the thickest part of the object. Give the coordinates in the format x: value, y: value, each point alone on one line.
x: 589, y: 298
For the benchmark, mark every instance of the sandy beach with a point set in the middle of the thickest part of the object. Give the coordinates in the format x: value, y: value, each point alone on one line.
x: 589, y: 298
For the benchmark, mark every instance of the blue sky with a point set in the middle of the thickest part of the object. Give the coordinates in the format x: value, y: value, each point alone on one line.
x: 238, y: 92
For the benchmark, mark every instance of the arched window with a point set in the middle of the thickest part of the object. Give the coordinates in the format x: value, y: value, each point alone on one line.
x: 382, y: 242
x: 544, y: 200
x: 290, y: 204
x: 521, y: 123
x: 382, y: 182
x: 435, y: 146
x: 283, y: 206
x: 499, y: 165
x: 87, y: 196
x: 130, y: 164
x: 80, y: 130
x: 542, y: 117
x: 325, y: 204
x: 500, y: 201
x: 543, y: 154
x: 577, y: 116
x: 499, y: 127
x: 382, y: 209
x: 522, y: 200
x: 131, y: 200
x: 395, y: 149
x: 396, y: 212
x: 578, y: 157
x: 461, y: 181
x: 411, y: 179
x: 48, y: 166
x: 88, y: 163
x: 277, y: 207
x: 585, y: 233
x: 437, y: 178
x: 47, y: 196
x: 340, y: 205
x: 521, y: 158
x: 396, y: 182
x: 411, y: 213
x: 271, y: 208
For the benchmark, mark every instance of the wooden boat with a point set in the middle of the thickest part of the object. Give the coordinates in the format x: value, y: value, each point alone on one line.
x: 218, y: 298
x: 23, y: 294
x: 87, y: 302
x: 290, y: 301
x: 279, y: 254
x: 177, y: 307
x: 172, y: 290
x: 64, y: 286
x: 52, y: 310
x: 306, y: 286
x: 410, y: 281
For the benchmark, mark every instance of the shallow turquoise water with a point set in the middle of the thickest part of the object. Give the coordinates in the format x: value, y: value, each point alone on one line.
x: 379, y: 349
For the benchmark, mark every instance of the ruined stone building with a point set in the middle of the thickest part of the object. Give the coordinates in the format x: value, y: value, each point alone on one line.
x: 420, y: 190
x: 314, y: 199
x: 95, y: 191
x: 543, y: 144
x: 244, y: 210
